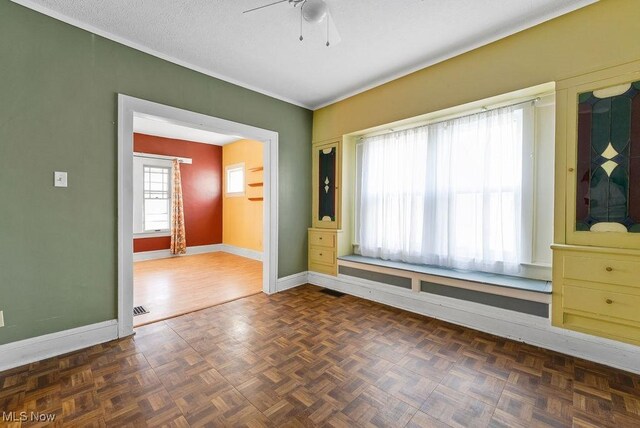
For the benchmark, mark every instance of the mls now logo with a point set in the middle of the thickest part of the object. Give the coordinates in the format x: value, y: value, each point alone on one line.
x: 28, y: 417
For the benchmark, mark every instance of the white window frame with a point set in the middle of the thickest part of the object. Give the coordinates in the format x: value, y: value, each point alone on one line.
x: 357, y: 190
x: 231, y: 168
x: 169, y: 200
x: 531, y: 238
x: 528, y: 183
x: 138, y: 195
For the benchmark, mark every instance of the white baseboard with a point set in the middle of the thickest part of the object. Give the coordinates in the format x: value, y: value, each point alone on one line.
x: 164, y: 254
x: 292, y: 281
x: 243, y: 252
x: 513, y: 325
x: 27, y: 351
x: 200, y: 249
x: 517, y: 326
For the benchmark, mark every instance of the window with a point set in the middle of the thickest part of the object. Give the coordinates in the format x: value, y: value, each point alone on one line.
x: 457, y: 193
x: 157, y: 198
x: 235, y: 180
x: 151, y: 196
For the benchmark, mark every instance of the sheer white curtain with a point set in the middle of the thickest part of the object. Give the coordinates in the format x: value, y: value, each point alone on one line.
x: 447, y: 194
x: 392, y: 195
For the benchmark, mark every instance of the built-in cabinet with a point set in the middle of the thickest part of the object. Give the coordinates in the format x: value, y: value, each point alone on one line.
x: 596, y: 261
x: 323, y: 251
x: 327, y: 162
x: 326, y: 210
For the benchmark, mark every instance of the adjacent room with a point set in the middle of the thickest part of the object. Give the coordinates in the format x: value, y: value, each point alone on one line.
x: 197, y: 218
x: 320, y: 213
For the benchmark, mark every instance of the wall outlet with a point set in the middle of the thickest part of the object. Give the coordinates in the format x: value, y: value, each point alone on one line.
x: 1, y: 319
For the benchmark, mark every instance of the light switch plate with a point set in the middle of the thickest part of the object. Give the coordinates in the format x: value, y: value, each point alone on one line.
x: 1, y: 319
x: 60, y: 179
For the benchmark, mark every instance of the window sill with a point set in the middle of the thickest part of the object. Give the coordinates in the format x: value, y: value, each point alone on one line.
x: 491, y: 279
x: 151, y: 235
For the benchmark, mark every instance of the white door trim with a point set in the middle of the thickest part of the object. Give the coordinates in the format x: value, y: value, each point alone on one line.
x: 130, y: 106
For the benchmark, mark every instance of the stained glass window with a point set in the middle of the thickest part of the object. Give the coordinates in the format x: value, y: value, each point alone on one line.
x: 327, y: 185
x: 608, y: 169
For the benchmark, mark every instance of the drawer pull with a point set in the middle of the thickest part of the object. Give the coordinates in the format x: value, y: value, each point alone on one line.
x: 609, y: 269
x: 320, y: 254
x: 320, y: 238
x: 571, y: 170
x: 609, y: 301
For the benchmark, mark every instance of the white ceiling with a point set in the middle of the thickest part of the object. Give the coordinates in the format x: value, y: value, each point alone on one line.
x: 381, y: 39
x: 164, y: 128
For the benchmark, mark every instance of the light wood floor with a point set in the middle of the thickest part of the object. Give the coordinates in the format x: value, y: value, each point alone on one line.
x: 302, y: 358
x: 179, y: 285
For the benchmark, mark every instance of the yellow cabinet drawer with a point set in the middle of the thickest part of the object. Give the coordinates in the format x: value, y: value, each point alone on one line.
x: 322, y: 255
x: 318, y: 267
x: 599, y: 327
x: 601, y: 302
x: 322, y: 239
x: 601, y: 269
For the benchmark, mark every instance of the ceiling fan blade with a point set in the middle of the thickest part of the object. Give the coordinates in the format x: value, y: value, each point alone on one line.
x: 332, y: 35
x: 263, y: 6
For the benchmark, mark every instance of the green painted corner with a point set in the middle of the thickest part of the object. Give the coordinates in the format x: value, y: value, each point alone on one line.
x: 58, y: 109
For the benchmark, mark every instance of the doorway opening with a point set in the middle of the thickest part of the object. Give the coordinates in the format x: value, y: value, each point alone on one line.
x: 184, y: 175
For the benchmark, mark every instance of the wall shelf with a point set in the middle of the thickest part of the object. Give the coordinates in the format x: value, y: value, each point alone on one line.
x: 256, y: 182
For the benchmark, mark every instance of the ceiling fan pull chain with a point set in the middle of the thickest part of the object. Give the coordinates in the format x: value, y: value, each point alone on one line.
x: 301, y: 38
x: 311, y: 11
x: 327, y: 18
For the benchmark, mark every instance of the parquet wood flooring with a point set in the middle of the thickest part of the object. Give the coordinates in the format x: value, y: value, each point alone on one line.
x: 302, y: 358
x: 179, y: 285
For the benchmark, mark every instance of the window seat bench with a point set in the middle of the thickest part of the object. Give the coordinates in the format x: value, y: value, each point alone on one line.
x: 524, y: 295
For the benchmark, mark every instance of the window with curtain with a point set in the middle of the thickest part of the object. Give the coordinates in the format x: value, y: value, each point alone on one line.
x: 450, y: 194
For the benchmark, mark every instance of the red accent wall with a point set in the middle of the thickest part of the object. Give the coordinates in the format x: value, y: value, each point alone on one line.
x: 201, y: 189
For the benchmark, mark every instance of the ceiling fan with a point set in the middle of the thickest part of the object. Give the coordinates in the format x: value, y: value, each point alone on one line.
x: 313, y: 12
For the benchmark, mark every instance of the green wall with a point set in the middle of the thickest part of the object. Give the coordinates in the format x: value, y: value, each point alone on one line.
x: 58, y: 110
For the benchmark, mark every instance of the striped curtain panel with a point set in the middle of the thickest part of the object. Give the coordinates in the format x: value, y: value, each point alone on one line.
x: 178, y: 237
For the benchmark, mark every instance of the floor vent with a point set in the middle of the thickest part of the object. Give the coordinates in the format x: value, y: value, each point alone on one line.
x: 139, y: 310
x: 333, y: 293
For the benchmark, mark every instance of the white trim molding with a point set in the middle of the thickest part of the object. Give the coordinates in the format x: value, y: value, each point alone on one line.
x: 200, y: 249
x: 128, y: 107
x: 500, y: 322
x: 242, y: 252
x: 143, y: 235
x: 165, y: 254
x: 292, y: 281
x: 27, y: 351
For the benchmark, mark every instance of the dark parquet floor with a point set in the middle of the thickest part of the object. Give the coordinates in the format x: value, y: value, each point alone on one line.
x: 304, y: 358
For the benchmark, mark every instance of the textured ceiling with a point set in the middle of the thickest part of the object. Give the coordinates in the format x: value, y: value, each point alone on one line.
x: 381, y: 39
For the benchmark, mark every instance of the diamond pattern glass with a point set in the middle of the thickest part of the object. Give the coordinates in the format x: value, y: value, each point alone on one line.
x: 608, y: 187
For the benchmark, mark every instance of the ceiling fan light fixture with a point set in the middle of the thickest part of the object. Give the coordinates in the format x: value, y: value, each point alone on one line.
x: 314, y: 10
